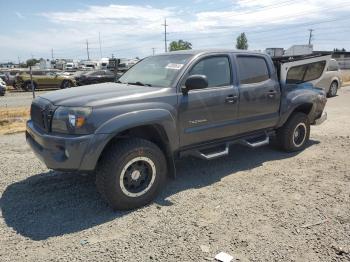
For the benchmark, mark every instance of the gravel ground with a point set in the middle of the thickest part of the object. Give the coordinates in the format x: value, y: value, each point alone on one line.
x: 257, y: 205
x: 14, y: 98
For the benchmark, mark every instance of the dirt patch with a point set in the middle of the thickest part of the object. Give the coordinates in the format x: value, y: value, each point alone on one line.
x: 12, y: 120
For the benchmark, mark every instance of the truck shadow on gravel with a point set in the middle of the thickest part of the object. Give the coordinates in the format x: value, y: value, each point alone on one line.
x: 53, y: 204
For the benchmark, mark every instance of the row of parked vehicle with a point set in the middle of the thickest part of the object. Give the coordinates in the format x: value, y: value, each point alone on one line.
x: 20, y: 79
x: 54, y: 78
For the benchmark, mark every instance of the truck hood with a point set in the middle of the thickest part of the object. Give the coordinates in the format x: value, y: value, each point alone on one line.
x: 100, y: 94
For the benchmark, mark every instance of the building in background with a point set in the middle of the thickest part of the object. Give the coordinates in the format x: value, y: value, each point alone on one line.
x: 274, y: 51
x: 342, y: 57
x: 296, y: 50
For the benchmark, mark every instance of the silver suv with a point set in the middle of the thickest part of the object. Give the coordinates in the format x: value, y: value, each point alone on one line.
x: 331, y: 80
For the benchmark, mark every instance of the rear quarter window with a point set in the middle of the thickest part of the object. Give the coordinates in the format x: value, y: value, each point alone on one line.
x: 303, y: 73
x: 252, y: 69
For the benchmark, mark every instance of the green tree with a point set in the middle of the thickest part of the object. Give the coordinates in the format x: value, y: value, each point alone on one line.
x: 32, y: 62
x: 180, y: 45
x: 242, y: 42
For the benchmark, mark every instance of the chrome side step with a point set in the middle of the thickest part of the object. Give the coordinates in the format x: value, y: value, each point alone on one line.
x: 210, y: 156
x: 214, y: 152
x: 256, y: 144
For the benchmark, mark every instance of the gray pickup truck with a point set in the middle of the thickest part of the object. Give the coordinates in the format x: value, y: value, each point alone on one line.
x: 172, y: 105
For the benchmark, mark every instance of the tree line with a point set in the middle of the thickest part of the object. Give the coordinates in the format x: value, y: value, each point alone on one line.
x: 241, y: 43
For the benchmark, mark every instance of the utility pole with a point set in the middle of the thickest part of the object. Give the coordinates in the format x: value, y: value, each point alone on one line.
x: 165, y: 36
x: 153, y: 50
x: 52, y: 53
x: 310, y: 35
x: 87, y: 49
x: 19, y: 60
x: 99, y: 40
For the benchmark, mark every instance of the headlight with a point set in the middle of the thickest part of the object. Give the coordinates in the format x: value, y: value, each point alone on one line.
x: 71, y: 120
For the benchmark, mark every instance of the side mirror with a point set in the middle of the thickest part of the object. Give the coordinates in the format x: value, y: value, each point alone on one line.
x: 195, y: 82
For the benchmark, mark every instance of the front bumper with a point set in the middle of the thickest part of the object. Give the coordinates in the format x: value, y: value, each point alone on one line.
x: 321, y: 119
x: 58, y: 152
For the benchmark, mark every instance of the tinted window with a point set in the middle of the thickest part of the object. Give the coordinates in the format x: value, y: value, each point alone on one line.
x: 252, y: 69
x: 296, y: 74
x: 304, y: 73
x: 314, y: 71
x: 216, y: 69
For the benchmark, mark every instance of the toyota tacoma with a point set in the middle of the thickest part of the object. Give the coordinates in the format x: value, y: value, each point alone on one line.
x: 168, y: 106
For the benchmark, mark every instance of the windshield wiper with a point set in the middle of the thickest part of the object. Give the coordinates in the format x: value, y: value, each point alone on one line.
x: 138, y: 83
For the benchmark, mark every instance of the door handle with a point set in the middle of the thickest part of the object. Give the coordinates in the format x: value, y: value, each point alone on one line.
x: 231, y: 99
x: 272, y: 93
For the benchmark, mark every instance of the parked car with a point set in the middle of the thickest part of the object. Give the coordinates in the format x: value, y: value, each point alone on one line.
x: 44, y: 79
x: 170, y: 106
x: 95, y: 77
x: 331, y: 80
x: 11, y: 77
x: 4, y: 75
x: 2, y: 87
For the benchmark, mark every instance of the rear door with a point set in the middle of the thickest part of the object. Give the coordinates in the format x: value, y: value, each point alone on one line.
x: 259, y: 93
x: 210, y: 113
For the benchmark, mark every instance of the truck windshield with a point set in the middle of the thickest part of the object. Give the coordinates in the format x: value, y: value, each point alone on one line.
x: 158, y: 71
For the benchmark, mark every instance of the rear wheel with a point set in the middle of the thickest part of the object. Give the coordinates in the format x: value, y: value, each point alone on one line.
x: 333, y: 89
x: 131, y: 173
x: 66, y: 84
x: 28, y: 86
x: 295, y: 133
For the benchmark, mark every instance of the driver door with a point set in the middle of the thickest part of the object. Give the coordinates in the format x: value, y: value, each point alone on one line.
x: 210, y: 113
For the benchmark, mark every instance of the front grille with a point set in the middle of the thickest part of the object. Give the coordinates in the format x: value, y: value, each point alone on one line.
x: 41, y: 113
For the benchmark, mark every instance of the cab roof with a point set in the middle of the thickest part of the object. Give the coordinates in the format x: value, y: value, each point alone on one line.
x: 209, y: 51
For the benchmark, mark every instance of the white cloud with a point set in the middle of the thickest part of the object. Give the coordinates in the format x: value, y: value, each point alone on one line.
x: 257, y: 13
x: 135, y: 29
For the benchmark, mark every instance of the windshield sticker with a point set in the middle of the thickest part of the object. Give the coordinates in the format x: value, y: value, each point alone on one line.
x: 174, y: 66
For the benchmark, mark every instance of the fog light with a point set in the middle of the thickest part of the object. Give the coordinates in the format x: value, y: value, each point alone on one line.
x: 66, y: 153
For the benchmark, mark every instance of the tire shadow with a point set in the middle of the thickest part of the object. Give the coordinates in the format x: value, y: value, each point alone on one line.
x: 53, y: 203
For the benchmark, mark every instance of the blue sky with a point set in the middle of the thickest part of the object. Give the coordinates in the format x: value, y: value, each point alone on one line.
x: 133, y: 28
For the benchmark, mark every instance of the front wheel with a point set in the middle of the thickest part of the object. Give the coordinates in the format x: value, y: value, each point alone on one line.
x: 333, y: 89
x: 295, y: 133
x: 131, y: 173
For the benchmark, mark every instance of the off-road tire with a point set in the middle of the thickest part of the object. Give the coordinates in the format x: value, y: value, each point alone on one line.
x: 286, y: 135
x: 333, y: 89
x: 112, y: 166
